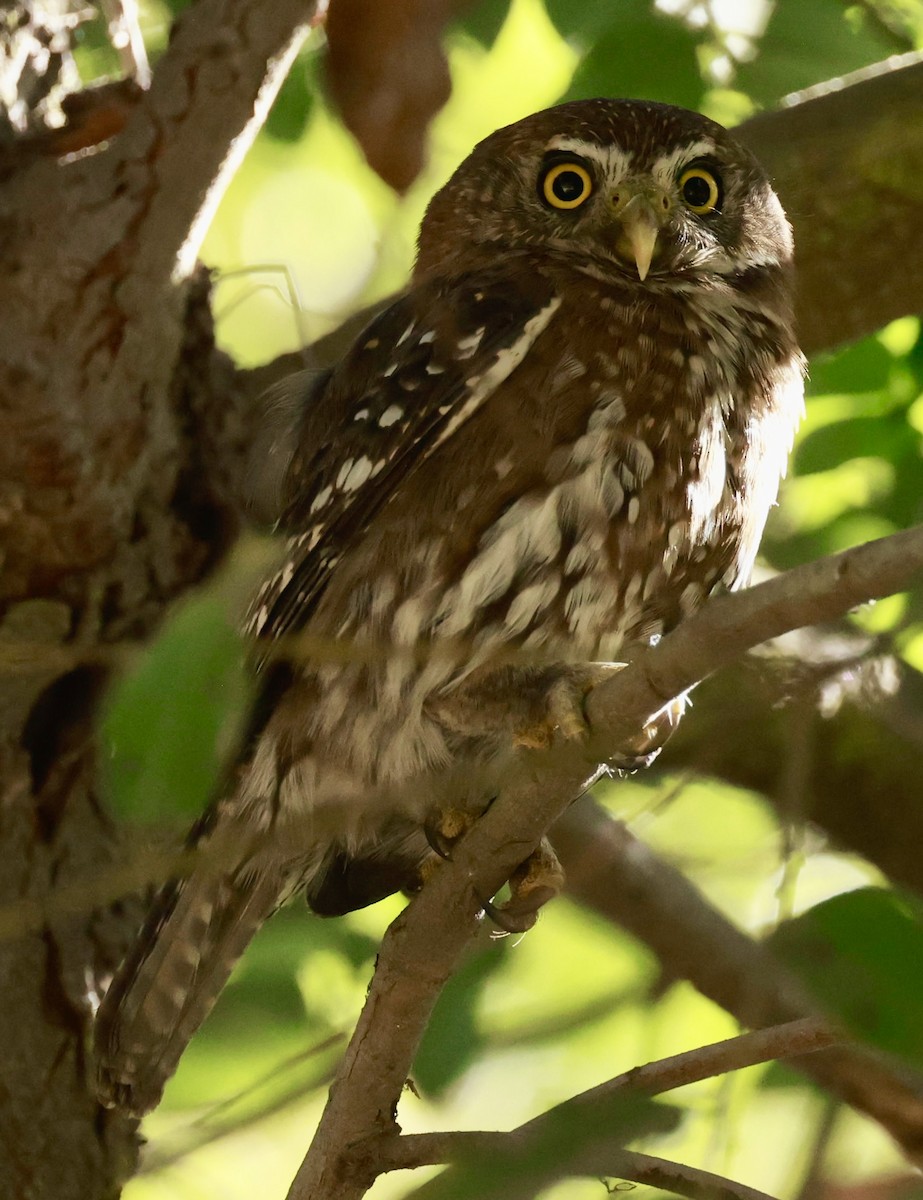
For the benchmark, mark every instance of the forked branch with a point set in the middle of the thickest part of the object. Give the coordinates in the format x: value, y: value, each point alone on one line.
x: 423, y: 946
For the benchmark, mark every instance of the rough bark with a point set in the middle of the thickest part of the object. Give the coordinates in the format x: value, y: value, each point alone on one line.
x: 114, y: 460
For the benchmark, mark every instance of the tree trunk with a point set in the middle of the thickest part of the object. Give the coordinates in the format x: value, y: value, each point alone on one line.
x: 119, y: 434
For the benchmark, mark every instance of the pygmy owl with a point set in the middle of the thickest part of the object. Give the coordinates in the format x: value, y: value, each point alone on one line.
x: 555, y: 445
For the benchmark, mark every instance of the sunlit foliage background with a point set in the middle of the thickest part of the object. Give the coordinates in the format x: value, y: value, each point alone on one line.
x: 306, y: 235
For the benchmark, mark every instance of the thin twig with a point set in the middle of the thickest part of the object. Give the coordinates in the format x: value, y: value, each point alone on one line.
x: 705, y: 1062
x: 594, y: 1161
x: 734, y: 1054
x: 220, y: 1122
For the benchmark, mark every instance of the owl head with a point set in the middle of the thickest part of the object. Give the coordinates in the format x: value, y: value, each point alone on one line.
x: 624, y: 189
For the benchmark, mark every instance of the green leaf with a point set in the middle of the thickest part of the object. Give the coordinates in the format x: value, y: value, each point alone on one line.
x: 886, y: 438
x: 291, y: 111
x: 862, y: 367
x: 641, y: 54
x: 169, y: 722
x: 861, y: 956
x: 586, y: 20
x: 485, y: 20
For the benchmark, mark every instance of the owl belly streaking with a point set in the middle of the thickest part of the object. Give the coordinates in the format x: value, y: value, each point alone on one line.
x: 566, y: 434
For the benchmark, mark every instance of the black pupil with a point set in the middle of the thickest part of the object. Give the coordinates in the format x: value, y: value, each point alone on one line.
x: 697, y: 191
x: 568, y: 185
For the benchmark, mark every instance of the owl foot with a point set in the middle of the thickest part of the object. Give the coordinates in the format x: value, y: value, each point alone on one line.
x: 531, y: 705
x: 534, y: 882
x: 565, y: 706
x: 641, y: 751
x: 443, y: 829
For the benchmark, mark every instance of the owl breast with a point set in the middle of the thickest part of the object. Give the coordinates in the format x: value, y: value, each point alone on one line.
x: 604, y: 495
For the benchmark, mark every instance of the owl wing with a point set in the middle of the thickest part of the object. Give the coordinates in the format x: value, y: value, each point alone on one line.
x: 419, y: 371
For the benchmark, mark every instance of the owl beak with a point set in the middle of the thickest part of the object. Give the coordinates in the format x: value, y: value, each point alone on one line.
x: 640, y: 229
x: 641, y: 216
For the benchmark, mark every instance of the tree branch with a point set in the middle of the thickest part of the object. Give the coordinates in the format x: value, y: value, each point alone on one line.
x: 741, y: 726
x: 209, y: 97
x: 414, y: 1150
x: 423, y: 946
x: 611, y: 872
x: 846, y: 158
x: 705, y: 1062
x: 595, y: 1161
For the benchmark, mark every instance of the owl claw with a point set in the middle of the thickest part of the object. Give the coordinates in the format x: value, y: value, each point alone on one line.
x: 534, y: 882
x: 565, y: 706
x: 443, y: 829
x: 642, y: 751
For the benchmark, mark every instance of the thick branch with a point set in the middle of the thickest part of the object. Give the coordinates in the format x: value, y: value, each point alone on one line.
x: 424, y: 944
x: 847, y: 160
x: 209, y: 97
x: 746, y: 722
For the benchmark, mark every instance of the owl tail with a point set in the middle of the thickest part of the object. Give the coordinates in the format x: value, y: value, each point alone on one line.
x: 196, y: 931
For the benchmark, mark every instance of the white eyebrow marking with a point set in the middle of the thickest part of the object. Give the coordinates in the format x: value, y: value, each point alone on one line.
x: 667, y: 167
x: 613, y: 161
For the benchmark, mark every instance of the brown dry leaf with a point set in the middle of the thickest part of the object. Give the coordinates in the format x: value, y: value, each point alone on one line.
x: 388, y: 75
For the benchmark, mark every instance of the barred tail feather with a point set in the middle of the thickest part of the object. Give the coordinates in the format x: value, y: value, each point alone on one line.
x: 196, y: 932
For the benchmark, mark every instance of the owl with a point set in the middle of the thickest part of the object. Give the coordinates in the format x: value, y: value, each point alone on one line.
x: 550, y: 450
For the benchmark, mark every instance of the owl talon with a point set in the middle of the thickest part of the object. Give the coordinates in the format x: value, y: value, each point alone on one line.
x: 534, y: 706
x: 534, y: 882
x: 641, y: 752
x: 567, y: 697
x: 436, y: 840
x: 443, y: 829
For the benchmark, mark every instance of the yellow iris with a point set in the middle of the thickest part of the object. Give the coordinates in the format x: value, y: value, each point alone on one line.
x: 567, y: 185
x: 701, y: 190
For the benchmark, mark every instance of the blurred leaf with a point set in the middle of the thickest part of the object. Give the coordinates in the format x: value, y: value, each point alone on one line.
x: 861, y: 955
x: 641, y: 54
x: 388, y: 75
x: 169, y: 721
x: 288, y: 118
x: 852, y: 529
x: 94, y: 53
x: 295, y: 933
x: 805, y: 44
x: 484, y: 20
x: 863, y: 438
x: 453, y: 1039
x: 251, y: 1000
x: 586, y: 19
x: 862, y: 367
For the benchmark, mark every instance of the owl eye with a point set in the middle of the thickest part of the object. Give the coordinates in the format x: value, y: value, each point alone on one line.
x: 701, y: 189
x: 566, y: 185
